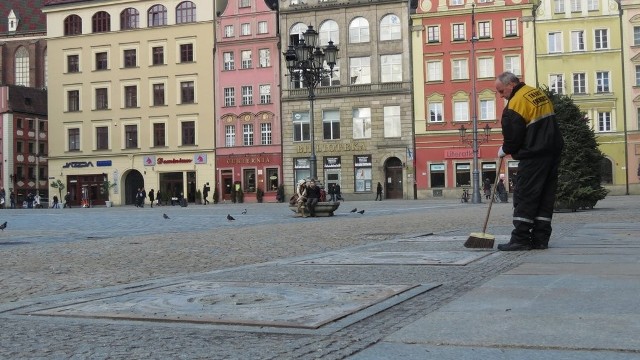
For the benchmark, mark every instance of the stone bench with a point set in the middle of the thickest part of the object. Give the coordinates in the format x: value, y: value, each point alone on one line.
x: 323, y: 209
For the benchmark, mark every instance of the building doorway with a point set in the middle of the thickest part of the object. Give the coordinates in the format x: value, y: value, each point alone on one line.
x: 227, y: 184
x: 393, y: 179
x: 133, y: 180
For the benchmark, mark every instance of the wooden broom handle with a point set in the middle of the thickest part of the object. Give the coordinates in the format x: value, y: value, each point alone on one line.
x: 493, y: 192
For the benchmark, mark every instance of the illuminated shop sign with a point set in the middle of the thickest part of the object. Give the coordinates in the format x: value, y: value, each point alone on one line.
x: 77, y: 164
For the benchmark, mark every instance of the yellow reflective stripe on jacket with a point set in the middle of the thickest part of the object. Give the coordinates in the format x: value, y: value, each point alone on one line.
x: 532, y: 104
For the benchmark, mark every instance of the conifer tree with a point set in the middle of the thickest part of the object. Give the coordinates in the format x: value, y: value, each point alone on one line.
x: 580, y: 173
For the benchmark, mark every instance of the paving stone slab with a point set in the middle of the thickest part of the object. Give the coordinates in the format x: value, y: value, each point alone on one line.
x: 438, y: 238
x: 455, y: 258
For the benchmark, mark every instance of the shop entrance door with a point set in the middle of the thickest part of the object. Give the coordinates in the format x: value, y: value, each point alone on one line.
x: 227, y: 184
x: 393, y: 179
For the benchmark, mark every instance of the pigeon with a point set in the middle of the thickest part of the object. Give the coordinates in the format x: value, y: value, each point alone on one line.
x: 354, y: 210
x: 230, y: 218
x: 3, y: 226
x: 244, y: 212
x: 361, y: 212
x: 165, y: 216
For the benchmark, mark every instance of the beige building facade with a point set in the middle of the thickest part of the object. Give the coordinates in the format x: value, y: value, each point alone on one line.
x: 131, y: 98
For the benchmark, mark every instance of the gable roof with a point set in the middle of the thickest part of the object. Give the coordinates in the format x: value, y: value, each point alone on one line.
x: 57, y: 2
x: 29, y: 14
x: 27, y: 100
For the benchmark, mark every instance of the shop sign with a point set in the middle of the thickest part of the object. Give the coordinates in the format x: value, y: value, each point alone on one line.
x: 249, y: 160
x: 302, y: 163
x: 200, y: 158
x: 162, y: 161
x: 77, y: 164
x: 149, y: 160
x: 331, y: 162
x: 332, y: 147
x: 459, y: 153
x: 362, y: 161
x: 103, y: 163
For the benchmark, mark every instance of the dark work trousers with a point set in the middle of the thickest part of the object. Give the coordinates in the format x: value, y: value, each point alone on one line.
x: 533, y: 200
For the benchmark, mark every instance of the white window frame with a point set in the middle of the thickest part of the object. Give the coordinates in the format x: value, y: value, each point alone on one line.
x: 436, y: 112
x: 245, y: 29
x: 229, y: 60
x: 458, y: 32
x: 487, y: 109
x: 359, y: 30
x: 228, y: 31
x: 601, y: 39
x: 391, y: 68
x: 486, y: 67
x: 605, y: 123
x: 392, y: 123
x: 434, y: 70
x: 510, y: 27
x: 459, y: 69
x: 581, y: 80
x: 484, y: 29
x: 556, y: 83
x: 577, y: 40
x: 433, y: 34
x: 230, y: 136
x: 360, y: 70
x: 245, y: 56
x: 603, y: 82
x: 247, y: 95
x: 461, y: 110
x: 247, y: 134
x: 265, y: 93
x: 266, y: 134
x: 390, y: 28
x: 554, y: 42
x: 362, y: 123
x: 263, y: 27
x: 229, y: 94
x: 513, y: 63
x: 264, y: 57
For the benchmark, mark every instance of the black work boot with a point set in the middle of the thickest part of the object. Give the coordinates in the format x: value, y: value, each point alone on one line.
x: 514, y: 246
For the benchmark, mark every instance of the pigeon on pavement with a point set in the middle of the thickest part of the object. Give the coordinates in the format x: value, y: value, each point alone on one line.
x: 354, y: 210
x: 244, y: 212
x: 230, y: 218
x: 165, y: 216
x: 3, y: 226
x: 361, y: 212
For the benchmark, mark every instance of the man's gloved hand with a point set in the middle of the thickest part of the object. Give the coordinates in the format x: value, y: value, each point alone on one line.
x: 501, y: 153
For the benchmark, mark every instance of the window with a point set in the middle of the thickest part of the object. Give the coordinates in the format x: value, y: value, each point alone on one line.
x: 433, y: 34
x: 512, y: 64
x: 247, y: 95
x: 72, y: 25
x: 265, y: 94
x: 434, y: 70
x: 556, y: 83
x: 576, y: 6
x: 229, y: 63
x: 158, y: 94
x: 637, y: 75
x: 22, y: 67
x: 187, y: 92
x: 485, y: 68
x: 131, y: 136
x: 159, y: 134
x: 73, y: 100
x: 74, y: 139
x: 301, y: 126
x: 602, y: 82
x: 601, y: 39
x: 130, y: 96
x: 102, y: 61
x: 157, y: 55
x: 555, y: 42
x: 73, y: 63
x: 461, y: 110
x: 265, y: 134
x: 362, y: 170
x: 592, y: 5
x: 359, y: 30
x: 558, y: 6
x: 157, y: 16
x: 229, y: 96
x: 487, y: 109
x: 636, y: 35
x: 228, y: 31
x: 102, y: 99
x: 31, y: 148
x: 245, y: 29
x: 262, y: 27
x: 19, y: 148
x: 390, y: 28
x: 265, y: 57
x: 510, y: 27
x: 186, y: 53
x: 577, y: 40
x: 458, y: 32
x: 579, y: 83
x: 459, y: 69
x: 436, y: 175
x: 246, y: 59
x: 484, y: 29
x: 331, y: 124
x: 230, y: 135
x: 328, y: 31
x: 129, y: 19
x: 245, y: 3
x: 130, y: 58
x: 604, y: 121
x: 188, y: 132
x: 463, y: 175
x: 362, y: 123
x: 102, y: 138
x: 101, y: 22
x: 360, y: 70
x: 392, y: 121
x: 272, y: 175
x: 18, y: 123
x: 186, y: 12
x: 247, y: 134
x: 391, y: 68
x: 456, y: 2
x: 249, y: 176
x: 435, y: 112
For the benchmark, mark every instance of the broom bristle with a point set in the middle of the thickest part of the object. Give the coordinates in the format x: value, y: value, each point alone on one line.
x: 480, y: 240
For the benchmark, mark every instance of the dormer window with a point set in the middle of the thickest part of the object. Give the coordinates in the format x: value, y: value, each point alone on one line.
x: 13, y: 21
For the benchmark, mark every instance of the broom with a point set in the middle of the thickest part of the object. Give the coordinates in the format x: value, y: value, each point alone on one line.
x: 484, y: 240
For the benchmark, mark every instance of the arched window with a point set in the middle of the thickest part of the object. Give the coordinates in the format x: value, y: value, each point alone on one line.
x: 101, y: 22
x: 329, y: 31
x: 390, y: 28
x: 73, y: 25
x: 607, y: 171
x: 359, y: 30
x: 129, y: 19
x: 185, y: 12
x: 22, y: 67
x: 296, y: 33
x: 157, y: 15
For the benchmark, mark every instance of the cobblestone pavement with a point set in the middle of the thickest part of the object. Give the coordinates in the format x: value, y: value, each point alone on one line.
x: 55, y: 252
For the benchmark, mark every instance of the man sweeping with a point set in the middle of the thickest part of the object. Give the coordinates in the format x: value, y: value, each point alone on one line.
x: 532, y: 136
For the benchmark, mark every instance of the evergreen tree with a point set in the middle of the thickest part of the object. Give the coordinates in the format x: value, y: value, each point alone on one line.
x: 579, y: 178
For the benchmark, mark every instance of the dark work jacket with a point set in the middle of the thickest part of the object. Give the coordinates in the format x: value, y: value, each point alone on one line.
x: 529, y: 125
x: 313, y: 192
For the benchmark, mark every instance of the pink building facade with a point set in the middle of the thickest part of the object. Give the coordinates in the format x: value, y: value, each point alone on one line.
x: 248, y: 130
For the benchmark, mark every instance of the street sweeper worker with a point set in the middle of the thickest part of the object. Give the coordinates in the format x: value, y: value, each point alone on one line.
x: 532, y: 136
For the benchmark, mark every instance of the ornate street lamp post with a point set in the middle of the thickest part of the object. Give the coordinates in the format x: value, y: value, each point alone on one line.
x: 305, y: 61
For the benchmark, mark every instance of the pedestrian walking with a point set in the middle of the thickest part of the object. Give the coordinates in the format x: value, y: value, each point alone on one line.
x: 56, y: 204
x: 332, y: 192
x: 158, y: 197
x: 486, y: 187
x: 3, y: 196
x: 379, y: 191
x: 532, y: 136
x: 67, y: 201
x: 151, y: 197
x: 338, y: 193
x: 205, y: 193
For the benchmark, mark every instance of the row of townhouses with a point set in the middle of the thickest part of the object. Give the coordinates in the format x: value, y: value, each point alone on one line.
x: 177, y: 95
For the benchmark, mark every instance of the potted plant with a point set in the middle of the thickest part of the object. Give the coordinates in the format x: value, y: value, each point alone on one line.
x: 60, y: 186
x: 106, y: 189
x: 259, y: 194
x: 216, y: 196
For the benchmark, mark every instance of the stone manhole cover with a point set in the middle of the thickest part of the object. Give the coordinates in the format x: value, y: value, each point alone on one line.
x: 293, y: 305
x: 458, y: 258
